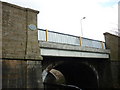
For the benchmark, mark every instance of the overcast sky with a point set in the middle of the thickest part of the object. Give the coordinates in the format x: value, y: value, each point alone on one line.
x: 65, y: 15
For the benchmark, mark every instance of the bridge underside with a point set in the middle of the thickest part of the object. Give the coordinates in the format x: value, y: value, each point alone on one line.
x: 80, y: 72
x: 82, y: 67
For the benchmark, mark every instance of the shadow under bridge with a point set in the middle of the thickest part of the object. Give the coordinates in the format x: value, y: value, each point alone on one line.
x: 73, y: 73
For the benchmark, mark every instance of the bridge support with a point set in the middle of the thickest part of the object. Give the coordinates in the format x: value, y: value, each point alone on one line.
x: 113, y: 43
x: 20, y: 54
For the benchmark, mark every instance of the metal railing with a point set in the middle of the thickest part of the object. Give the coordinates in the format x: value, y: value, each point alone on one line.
x: 51, y: 36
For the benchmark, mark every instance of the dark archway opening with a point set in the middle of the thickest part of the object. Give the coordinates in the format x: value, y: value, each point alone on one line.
x: 78, y: 74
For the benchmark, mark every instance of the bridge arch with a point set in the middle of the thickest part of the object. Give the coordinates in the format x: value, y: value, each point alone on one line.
x: 80, y: 74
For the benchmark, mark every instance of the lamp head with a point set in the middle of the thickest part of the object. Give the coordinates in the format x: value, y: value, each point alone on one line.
x: 84, y: 17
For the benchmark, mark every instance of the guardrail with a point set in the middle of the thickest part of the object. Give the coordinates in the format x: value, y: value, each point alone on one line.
x: 51, y: 36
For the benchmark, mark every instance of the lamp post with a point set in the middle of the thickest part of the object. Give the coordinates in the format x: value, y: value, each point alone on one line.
x: 81, y: 26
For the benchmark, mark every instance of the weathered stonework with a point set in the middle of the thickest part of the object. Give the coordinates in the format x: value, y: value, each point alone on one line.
x: 0, y: 30
x: 0, y: 45
x: 34, y: 70
x: 14, y: 74
x: 21, y: 59
x: 113, y: 43
x: 19, y: 41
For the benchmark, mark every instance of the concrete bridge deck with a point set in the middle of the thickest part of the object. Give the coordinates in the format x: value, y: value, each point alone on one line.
x: 65, y: 50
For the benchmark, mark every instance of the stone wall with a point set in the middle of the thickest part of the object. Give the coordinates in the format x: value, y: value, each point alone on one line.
x: 21, y: 59
x: 113, y: 43
x: 0, y: 45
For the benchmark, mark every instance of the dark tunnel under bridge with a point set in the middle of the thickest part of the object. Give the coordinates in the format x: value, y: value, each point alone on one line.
x: 80, y: 72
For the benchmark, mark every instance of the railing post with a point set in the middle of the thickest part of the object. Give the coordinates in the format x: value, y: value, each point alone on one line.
x: 80, y: 41
x: 46, y: 35
x: 102, y: 44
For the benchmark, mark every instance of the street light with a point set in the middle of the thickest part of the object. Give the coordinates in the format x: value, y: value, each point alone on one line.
x: 81, y: 26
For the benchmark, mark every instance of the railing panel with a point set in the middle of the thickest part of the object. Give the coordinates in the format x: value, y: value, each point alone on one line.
x: 42, y: 35
x: 61, y: 38
x: 69, y: 39
x: 86, y: 42
x: 97, y: 44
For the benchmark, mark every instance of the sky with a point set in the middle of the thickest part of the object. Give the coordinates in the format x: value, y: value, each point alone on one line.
x: 65, y: 16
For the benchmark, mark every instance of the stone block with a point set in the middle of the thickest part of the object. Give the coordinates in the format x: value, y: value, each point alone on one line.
x: 112, y: 43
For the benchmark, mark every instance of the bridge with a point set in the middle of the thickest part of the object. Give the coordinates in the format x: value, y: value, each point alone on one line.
x: 72, y: 60
x: 64, y: 45
x: 52, y: 59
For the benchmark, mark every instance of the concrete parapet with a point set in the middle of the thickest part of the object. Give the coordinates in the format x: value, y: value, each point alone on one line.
x: 58, y: 46
x: 66, y: 50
